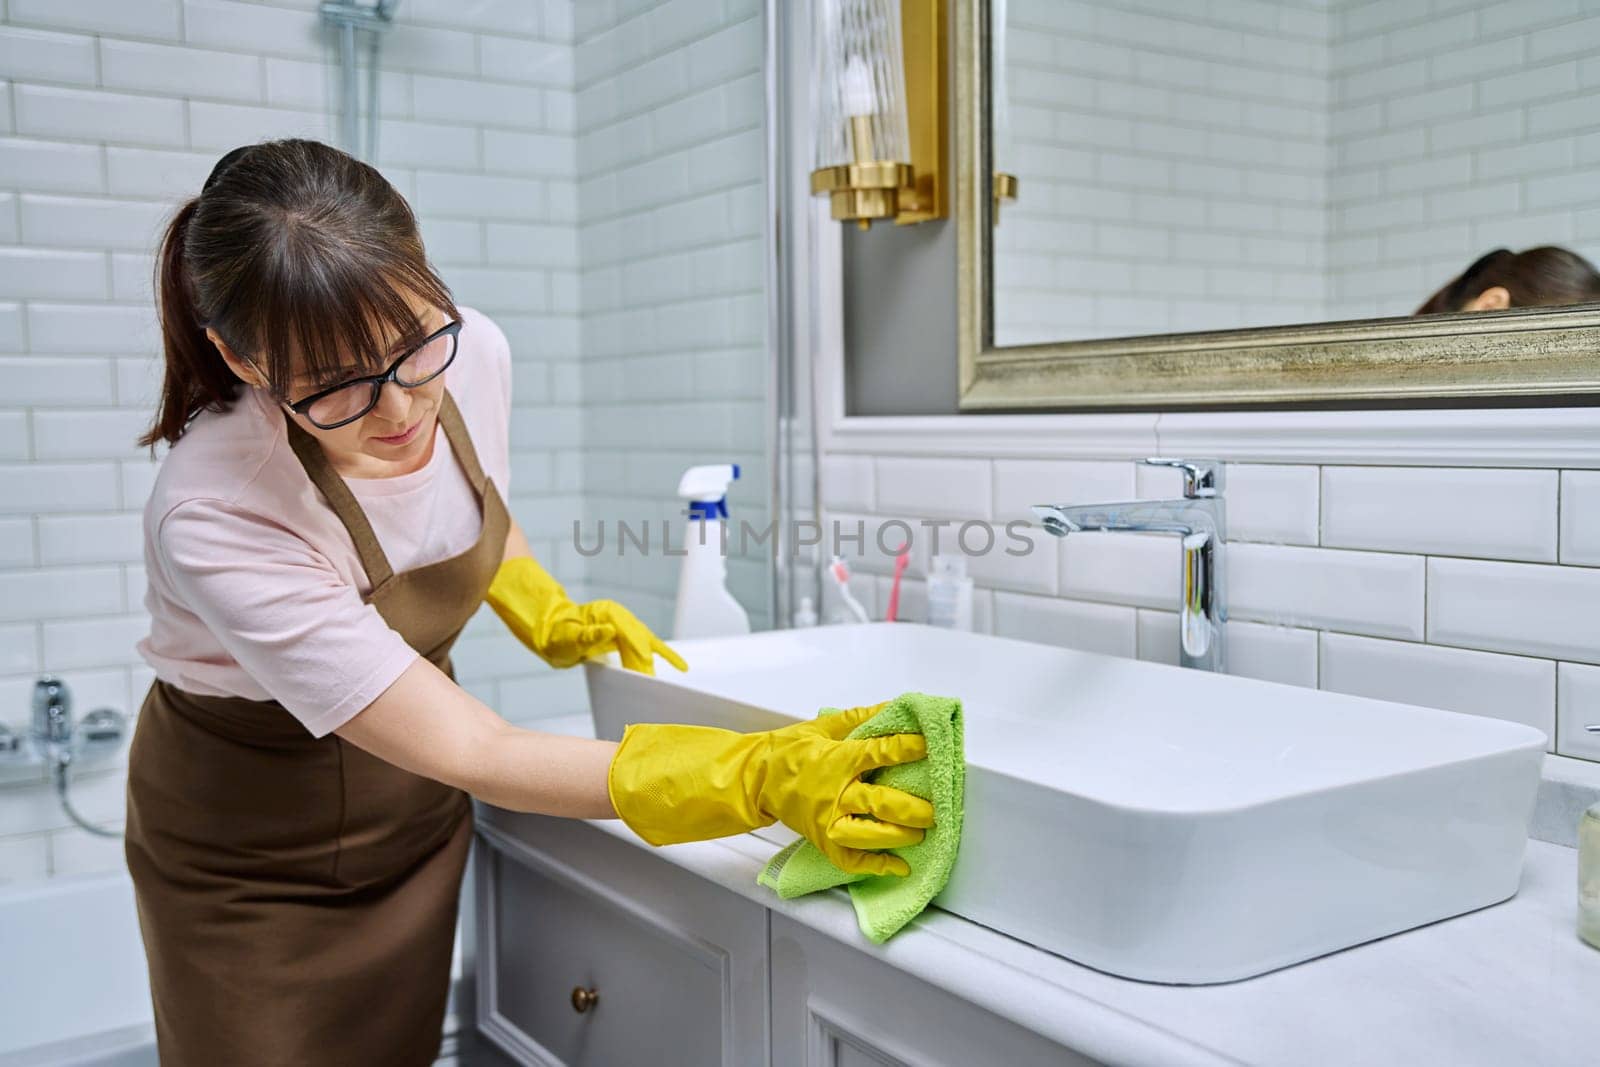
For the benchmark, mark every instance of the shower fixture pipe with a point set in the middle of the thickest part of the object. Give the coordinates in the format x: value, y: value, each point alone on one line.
x: 347, y: 17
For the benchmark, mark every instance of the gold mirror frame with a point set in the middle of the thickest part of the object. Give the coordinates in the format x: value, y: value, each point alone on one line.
x: 1532, y: 356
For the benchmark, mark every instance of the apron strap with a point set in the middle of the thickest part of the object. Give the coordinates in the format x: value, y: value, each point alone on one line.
x: 455, y: 431
x: 344, y: 503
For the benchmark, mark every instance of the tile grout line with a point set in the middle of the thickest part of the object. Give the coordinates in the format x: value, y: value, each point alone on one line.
x: 1561, y: 492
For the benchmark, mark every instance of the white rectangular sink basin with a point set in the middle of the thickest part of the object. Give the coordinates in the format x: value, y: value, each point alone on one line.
x: 1161, y: 824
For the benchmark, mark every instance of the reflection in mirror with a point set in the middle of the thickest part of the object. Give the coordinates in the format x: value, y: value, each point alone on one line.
x: 1539, y: 277
x: 1187, y: 167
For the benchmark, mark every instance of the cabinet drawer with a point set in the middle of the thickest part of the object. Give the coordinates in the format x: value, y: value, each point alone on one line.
x: 553, y: 939
x: 671, y: 967
x: 835, y: 1006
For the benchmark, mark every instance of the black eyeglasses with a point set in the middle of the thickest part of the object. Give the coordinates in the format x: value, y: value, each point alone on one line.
x: 348, y: 401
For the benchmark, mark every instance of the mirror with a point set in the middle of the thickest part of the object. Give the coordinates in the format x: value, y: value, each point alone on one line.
x: 1406, y: 198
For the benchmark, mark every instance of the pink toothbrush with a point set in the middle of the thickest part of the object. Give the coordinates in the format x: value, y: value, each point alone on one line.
x: 900, y: 562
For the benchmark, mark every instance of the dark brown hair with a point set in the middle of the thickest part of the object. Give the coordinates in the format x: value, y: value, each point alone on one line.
x: 1540, y: 277
x: 302, y: 259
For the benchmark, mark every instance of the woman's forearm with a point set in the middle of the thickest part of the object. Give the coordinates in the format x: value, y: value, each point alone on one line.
x: 526, y: 770
x: 428, y: 725
x: 516, y: 542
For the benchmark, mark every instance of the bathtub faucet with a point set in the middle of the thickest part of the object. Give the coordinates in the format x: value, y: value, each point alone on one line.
x: 53, y: 737
x: 1198, y: 519
x: 55, y: 740
x: 52, y: 713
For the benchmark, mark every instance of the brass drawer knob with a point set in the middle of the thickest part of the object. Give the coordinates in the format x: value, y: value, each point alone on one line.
x: 584, y: 999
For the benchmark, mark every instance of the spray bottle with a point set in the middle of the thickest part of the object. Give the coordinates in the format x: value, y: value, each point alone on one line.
x: 705, y: 607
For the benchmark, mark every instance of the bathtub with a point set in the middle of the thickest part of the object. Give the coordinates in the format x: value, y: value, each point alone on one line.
x: 74, y: 991
x: 73, y: 986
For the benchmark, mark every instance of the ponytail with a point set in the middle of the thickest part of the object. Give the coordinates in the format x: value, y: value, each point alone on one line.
x: 303, y: 258
x: 196, y: 377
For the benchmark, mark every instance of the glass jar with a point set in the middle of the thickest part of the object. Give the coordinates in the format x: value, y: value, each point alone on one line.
x: 1589, y: 876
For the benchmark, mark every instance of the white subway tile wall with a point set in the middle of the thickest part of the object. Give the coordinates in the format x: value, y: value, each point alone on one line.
x: 1271, y: 653
x: 1453, y: 133
x: 1580, y: 517
x: 1255, y: 650
x: 1018, y: 483
x: 1104, y: 628
x: 1502, y: 514
x: 1266, y: 502
x: 1364, y: 592
x: 1400, y: 583
x: 1525, y: 608
x: 1173, y: 169
x: 671, y: 196
x: 1120, y: 568
x: 1577, y: 709
x: 1214, y: 166
x: 120, y: 109
x: 962, y: 484
x: 1481, y: 683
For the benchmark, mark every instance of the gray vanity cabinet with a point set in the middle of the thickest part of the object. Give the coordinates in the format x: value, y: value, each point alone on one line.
x: 593, y: 953
x: 684, y: 971
x: 833, y: 1006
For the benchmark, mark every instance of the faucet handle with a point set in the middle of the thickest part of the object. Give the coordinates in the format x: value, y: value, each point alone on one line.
x: 1201, y: 477
x: 52, y: 709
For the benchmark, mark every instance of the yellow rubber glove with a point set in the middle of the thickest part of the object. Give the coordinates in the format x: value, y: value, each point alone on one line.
x: 533, y: 606
x: 689, y: 783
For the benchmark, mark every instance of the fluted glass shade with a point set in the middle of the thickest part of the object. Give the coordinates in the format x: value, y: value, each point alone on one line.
x: 857, y: 75
x: 862, y: 151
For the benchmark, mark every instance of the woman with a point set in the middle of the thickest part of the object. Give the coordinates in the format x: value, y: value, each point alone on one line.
x: 298, y: 784
x: 1539, y: 277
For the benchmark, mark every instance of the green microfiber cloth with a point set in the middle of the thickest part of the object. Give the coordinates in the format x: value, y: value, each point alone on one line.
x: 885, y: 903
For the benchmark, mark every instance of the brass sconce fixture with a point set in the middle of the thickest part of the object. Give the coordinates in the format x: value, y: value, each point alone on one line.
x: 1005, y: 192
x: 881, y: 81
x: 1003, y: 147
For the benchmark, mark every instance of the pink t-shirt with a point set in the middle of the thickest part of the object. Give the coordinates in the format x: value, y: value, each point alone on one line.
x: 255, y: 589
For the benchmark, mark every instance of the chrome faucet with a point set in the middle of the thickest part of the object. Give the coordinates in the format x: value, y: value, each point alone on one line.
x: 1198, y: 520
x: 54, y: 740
x: 52, y: 714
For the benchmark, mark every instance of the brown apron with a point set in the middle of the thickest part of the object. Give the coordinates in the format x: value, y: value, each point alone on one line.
x: 297, y: 896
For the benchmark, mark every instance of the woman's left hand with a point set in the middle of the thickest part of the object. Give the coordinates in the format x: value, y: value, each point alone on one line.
x: 635, y: 643
x: 536, y: 608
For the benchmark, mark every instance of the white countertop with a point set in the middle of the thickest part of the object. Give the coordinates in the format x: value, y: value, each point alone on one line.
x: 1511, y: 984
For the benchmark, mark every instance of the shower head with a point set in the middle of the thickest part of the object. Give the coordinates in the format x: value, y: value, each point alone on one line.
x: 353, y: 14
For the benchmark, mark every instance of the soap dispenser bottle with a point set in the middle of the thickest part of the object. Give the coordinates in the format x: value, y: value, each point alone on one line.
x: 705, y: 608
x: 949, y: 593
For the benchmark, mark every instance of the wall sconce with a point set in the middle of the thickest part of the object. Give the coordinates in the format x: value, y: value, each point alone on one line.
x: 1005, y: 192
x: 1004, y: 147
x: 879, y: 91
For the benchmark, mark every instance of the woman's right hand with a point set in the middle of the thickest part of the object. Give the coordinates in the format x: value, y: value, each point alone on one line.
x: 674, y: 783
x: 669, y: 783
